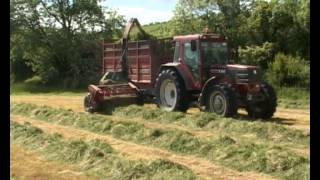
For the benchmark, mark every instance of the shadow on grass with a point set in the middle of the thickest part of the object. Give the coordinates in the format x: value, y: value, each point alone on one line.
x: 277, y: 120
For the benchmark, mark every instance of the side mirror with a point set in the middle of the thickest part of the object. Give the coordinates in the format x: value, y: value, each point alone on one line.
x: 193, y: 45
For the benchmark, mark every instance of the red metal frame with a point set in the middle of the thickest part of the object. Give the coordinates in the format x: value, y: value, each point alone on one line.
x: 143, y: 62
x: 104, y: 92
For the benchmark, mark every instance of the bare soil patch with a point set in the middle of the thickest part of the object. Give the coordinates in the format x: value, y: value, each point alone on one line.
x: 25, y: 164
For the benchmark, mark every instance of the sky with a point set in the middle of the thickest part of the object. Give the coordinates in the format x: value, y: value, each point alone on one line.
x: 146, y: 11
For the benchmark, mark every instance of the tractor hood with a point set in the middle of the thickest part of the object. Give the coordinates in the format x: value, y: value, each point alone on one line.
x: 232, y: 67
x: 240, y: 73
x: 240, y: 67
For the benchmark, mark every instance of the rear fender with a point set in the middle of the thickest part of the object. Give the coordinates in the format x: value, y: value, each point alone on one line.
x: 211, y: 81
x: 179, y: 68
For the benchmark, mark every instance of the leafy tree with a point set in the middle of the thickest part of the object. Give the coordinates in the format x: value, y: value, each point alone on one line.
x: 259, y: 22
x: 185, y: 20
x: 285, y: 23
x: 257, y: 55
x: 60, y: 39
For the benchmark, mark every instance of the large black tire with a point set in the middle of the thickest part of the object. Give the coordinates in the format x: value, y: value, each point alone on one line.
x: 221, y: 100
x: 170, y: 91
x: 266, y: 108
x: 89, y: 106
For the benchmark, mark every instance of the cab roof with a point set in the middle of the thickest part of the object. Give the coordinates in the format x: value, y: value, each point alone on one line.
x: 199, y: 36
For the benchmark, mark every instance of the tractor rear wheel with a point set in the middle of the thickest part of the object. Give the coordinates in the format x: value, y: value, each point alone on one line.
x: 221, y: 100
x: 170, y: 91
x: 266, y: 108
x: 89, y: 106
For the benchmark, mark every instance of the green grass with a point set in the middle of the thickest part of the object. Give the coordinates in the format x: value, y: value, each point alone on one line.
x: 95, y: 157
x: 13, y: 177
x: 30, y: 89
x: 287, y: 97
x: 209, y: 121
x: 273, y: 159
x: 293, y: 97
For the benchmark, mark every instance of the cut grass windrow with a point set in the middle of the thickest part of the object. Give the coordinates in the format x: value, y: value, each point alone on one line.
x: 273, y: 160
x: 209, y: 121
x: 95, y: 157
x: 201, y: 167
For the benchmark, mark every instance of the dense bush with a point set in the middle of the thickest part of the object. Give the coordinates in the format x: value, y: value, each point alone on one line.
x: 35, y: 80
x: 287, y: 70
x: 257, y: 55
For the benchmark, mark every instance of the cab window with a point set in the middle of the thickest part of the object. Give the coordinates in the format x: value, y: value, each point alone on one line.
x: 191, y: 59
x: 176, y: 52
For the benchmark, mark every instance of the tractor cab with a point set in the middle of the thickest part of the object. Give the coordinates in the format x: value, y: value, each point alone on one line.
x: 203, y: 61
x: 208, y: 55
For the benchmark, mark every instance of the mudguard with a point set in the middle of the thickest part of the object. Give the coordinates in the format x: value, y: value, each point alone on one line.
x: 207, y: 84
x: 188, y: 80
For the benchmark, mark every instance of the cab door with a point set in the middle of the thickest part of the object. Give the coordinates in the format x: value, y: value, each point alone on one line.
x: 191, y: 59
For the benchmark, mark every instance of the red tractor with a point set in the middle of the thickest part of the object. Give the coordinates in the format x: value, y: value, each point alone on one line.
x: 196, y: 72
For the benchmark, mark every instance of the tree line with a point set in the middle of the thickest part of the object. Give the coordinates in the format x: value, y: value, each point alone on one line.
x: 59, y: 41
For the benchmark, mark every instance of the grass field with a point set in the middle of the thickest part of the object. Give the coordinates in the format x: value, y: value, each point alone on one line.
x: 95, y: 157
x: 294, y: 98
x: 142, y: 142
x: 29, y: 89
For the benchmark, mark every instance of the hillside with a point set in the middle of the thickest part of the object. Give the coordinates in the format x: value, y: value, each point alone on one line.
x: 160, y: 29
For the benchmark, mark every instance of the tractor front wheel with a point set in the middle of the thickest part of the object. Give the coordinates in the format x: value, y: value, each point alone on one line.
x: 221, y: 100
x: 266, y: 108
